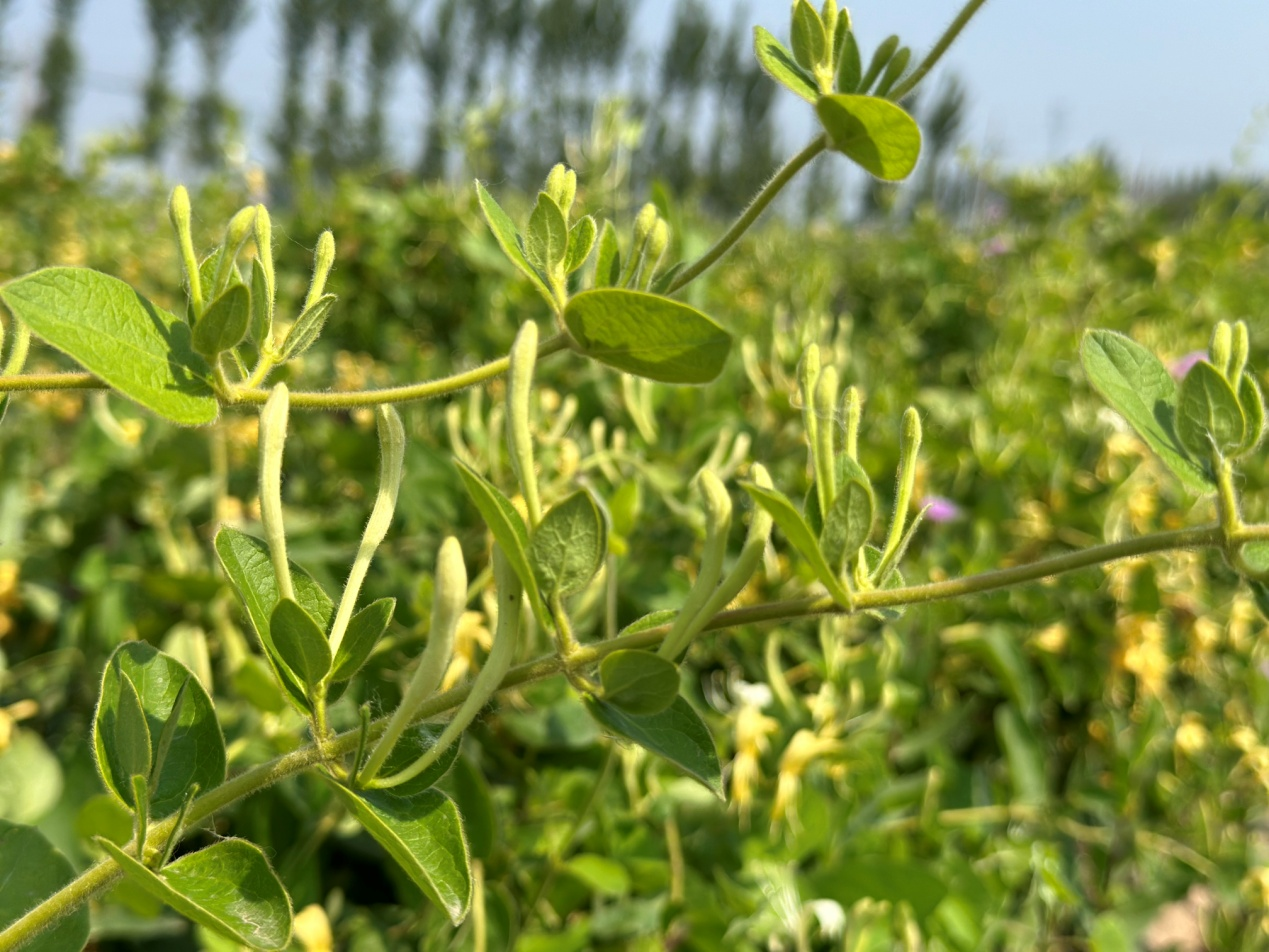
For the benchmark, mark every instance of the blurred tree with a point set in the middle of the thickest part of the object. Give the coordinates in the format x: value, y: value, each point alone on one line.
x: 299, y: 30
x: 388, y: 34
x: 435, y: 52
x: 942, y: 125
x: 213, y: 119
x: 343, y: 19
x: 59, y: 70
x: 165, y: 19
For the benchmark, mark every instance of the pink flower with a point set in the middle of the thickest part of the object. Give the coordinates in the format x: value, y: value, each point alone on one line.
x: 1181, y: 366
x: 940, y: 509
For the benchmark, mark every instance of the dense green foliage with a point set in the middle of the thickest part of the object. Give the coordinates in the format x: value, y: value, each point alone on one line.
x: 1034, y: 768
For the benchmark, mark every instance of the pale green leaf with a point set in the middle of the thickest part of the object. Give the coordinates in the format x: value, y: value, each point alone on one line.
x: 569, y: 545
x: 31, y: 870
x: 647, y: 335
x: 600, y: 873
x: 639, y: 682
x: 364, y: 631
x: 228, y: 887
x: 1138, y: 387
x: 224, y: 324
x: 508, y: 238
x: 849, y: 521
x: 546, y: 240
x: 875, y: 133
x: 581, y: 238
x: 778, y: 63
x: 195, y: 747
x: 247, y: 563
x: 608, y: 258
x: 800, y: 536
x: 307, y: 327
x: 112, y: 331
x: 678, y: 734
x: 508, y: 531
x: 300, y: 642
x: 128, y: 744
x: 807, y: 35
x: 1252, y: 402
x: 424, y: 834
x: 1207, y: 412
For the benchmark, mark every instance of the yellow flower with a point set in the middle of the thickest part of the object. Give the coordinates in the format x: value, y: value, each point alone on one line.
x: 753, y: 730
x: 1141, y: 652
x: 1191, y: 737
x: 472, y: 633
x: 312, y: 929
x: 804, y: 749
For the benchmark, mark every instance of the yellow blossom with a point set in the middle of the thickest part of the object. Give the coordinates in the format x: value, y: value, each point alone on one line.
x: 753, y: 730
x: 1052, y: 639
x: 312, y: 929
x: 1141, y: 652
x: 804, y: 749
x: 1191, y: 737
x: 472, y: 633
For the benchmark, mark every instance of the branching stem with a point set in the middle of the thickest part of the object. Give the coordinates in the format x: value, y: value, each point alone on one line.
x: 105, y: 873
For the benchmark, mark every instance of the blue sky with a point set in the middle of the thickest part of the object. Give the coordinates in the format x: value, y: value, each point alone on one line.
x: 1171, y: 86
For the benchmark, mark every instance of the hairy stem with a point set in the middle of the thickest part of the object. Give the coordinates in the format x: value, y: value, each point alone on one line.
x: 101, y: 876
x: 936, y: 52
x: 759, y: 204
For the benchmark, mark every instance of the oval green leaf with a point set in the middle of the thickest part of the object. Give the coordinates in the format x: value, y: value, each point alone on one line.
x: 229, y: 887
x: 807, y: 35
x: 569, y: 545
x: 224, y: 324
x: 546, y: 241
x: 778, y: 63
x: 195, y: 747
x: 128, y: 738
x: 33, y: 871
x: 246, y: 561
x: 307, y: 327
x: 1139, y: 388
x: 647, y: 335
x: 1207, y: 412
x: 581, y: 238
x: 1252, y: 402
x: 849, y: 521
x: 112, y: 331
x: 639, y: 682
x: 875, y: 133
x: 508, y: 238
x: 364, y: 631
x: 300, y: 642
x: 678, y: 734
x: 424, y: 834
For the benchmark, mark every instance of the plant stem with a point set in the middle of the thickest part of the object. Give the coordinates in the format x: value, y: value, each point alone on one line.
x: 101, y: 876
x: 936, y: 52
x: 759, y: 204
x: 310, y: 399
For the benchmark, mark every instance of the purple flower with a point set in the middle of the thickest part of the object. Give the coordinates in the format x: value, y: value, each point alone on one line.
x: 995, y: 247
x: 940, y: 509
x: 1182, y: 365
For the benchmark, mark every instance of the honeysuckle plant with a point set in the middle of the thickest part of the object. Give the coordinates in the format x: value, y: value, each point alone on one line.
x: 156, y: 739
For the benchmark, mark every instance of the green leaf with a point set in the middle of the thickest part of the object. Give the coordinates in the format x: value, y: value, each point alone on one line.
x: 1254, y: 557
x: 778, y: 63
x: 678, y: 734
x: 849, y: 521
x: 508, y: 531
x: 508, y: 238
x: 112, y: 331
x: 807, y: 36
x: 569, y: 545
x: 546, y: 240
x: 227, y: 887
x: 261, y: 307
x: 129, y: 741
x: 880, y: 57
x: 31, y: 779
x: 600, y: 874
x: 581, y: 238
x: 1025, y: 755
x: 657, y: 619
x: 1207, y: 412
x: 300, y: 642
x: 1139, y: 388
x: 412, y: 745
x: 647, y: 335
x: 608, y: 259
x: 32, y: 870
x: 799, y: 535
x: 850, y: 879
x: 639, y: 682
x: 1252, y: 402
x: 873, y: 132
x: 850, y: 68
x: 424, y: 834
x: 224, y: 324
x: 195, y: 746
x: 307, y: 327
x: 470, y: 791
x: 247, y: 562
x: 364, y: 631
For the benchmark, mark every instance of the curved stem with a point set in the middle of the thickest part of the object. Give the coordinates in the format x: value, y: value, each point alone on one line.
x: 101, y: 876
x: 759, y: 204
x: 309, y: 399
x: 936, y: 52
